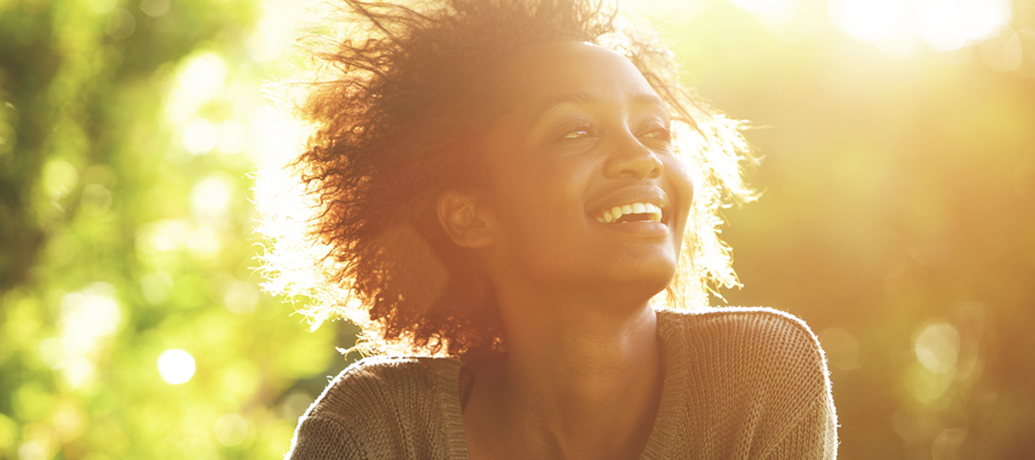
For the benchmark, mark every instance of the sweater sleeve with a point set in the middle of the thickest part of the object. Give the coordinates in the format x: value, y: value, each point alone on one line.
x: 814, y: 436
x: 379, y: 408
x: 755, y: 386
x: 797, y: 373
x: 319, y: 438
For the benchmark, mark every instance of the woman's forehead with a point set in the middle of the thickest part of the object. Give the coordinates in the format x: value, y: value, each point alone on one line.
x: 563, y: 69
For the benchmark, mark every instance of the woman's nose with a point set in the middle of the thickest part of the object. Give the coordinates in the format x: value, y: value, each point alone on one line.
x: 630, y: 158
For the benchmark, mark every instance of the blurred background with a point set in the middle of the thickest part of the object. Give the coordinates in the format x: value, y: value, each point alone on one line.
x: 898, y: 218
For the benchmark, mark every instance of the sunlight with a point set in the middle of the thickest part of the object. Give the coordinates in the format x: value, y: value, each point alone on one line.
x: 681, y: 9
x: 869, y: 20
x: 281, y: 22
x: 771, y: 12
x: 945, y: 25
x: 758, y: 5
x: 951, y: 25
x: 176, y: 366
x: 276, y: 137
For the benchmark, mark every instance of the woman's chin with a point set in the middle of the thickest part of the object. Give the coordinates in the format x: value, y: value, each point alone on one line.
x: 635, y: 285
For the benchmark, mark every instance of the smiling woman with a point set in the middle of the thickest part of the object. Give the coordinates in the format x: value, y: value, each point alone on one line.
x: 507, y: 184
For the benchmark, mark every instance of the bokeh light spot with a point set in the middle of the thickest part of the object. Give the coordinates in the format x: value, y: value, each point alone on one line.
x: 121, y: 24
x: 948, y: 443
x: 156, y: 287
x: 232, y: 134
x: 200, y: 137
x: 32, y: 450
x: 176, y: 366
x: 101, y: 6
x: 88, y: 318
x: 241, y: 297
x: 204, y: 242
x: 210, y: 198
x: 937, y: 347
x: 163, y: 236
x: 59, y: 178
x: 155, y: 8
x: 1013, y: 53
x: 96, y: 200
x: 231, y: 429
x: 204, y: 74
x: 1024, y: 179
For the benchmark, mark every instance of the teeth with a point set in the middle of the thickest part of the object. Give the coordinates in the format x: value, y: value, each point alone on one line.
x: 614, y: 214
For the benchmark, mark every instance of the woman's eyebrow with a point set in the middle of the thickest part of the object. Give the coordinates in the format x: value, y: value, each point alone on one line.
x: 571, y: 98
x: 637, y: 100
x: 649, y: 99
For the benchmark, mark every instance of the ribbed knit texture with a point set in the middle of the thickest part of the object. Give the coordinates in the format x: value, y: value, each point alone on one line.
x: 740, y: 383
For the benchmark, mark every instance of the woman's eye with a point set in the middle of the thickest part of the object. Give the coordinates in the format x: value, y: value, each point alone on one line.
x: 660, y: 133
x: 577, y: 133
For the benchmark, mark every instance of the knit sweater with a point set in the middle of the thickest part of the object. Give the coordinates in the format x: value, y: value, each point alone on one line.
x: 740, y: 383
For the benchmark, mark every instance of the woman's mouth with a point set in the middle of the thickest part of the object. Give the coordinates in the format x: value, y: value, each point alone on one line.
x: 632, y: 212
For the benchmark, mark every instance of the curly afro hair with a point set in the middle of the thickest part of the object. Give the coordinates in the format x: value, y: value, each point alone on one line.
x: 399, y: 101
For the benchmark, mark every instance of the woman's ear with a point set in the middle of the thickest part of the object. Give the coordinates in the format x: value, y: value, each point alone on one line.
x: 464, y: 220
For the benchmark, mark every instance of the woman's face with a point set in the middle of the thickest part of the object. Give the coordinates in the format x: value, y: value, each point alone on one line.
x: 584, y: 187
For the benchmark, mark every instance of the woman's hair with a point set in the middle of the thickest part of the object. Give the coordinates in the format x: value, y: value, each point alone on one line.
x: 398, y: 102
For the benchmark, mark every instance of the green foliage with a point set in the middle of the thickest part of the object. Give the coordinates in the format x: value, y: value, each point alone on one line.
x: 123, y: 238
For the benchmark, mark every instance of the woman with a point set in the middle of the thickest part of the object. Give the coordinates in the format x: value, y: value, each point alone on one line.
x: 506, y: 184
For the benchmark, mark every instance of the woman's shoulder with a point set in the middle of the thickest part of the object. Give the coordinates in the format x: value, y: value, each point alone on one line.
x: 759, y: 329
x: 753, y: 349
x: 751, y: 377
x: 378, y: 408
x: 370, y: 384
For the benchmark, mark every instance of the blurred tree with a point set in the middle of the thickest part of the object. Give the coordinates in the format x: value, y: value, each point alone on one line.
x: 28, y: 64
x: 125, y: 232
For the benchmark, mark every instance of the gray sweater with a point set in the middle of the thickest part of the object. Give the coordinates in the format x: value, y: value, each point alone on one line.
x: 740, y: 383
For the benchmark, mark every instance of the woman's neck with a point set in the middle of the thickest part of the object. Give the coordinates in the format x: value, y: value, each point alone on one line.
x: 579, y: 381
